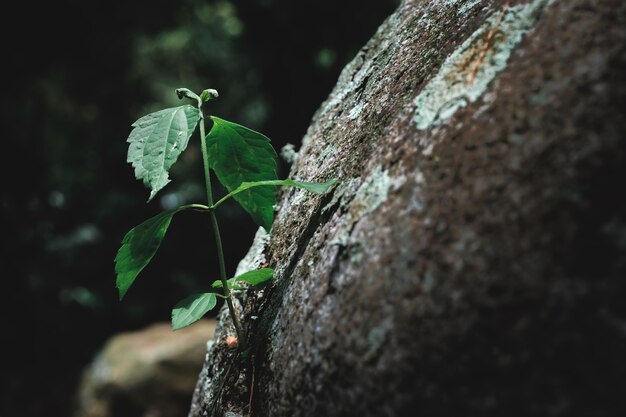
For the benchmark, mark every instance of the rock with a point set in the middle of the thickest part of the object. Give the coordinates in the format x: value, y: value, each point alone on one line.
x: 473, y: 259
x: 147, y: 373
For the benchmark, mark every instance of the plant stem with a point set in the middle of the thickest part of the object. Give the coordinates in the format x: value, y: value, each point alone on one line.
x: 216, y: 234
x: 197, y: 207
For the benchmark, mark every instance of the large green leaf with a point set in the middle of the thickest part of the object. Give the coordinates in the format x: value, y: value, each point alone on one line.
x: 238, y: 154
x: 156, y: 142
x: 191, y: 309
x: 138, y: 247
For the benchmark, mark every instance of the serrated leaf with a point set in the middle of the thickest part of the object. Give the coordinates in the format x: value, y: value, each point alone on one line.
x: 138, y: 247
x: 192, y: 309
x: 256, y: 277
x: 238, y: 154
x: 156, y: 142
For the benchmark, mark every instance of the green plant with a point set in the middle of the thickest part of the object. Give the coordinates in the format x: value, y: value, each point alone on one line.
x: 244, y: 162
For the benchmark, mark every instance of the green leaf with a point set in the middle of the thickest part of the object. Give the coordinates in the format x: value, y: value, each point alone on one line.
x: 253, y: 278
x: 138, y: 247
x: 208, y: 95
x: 218, y: 283
x: 187, y: 93
x: 191, y: 309
x: 315, y: 187
x: 156, y: 142
x: 238, y: 154
x: 256, y: 277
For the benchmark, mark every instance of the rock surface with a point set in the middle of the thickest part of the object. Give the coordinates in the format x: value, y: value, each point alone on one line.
x: 473, y: 259
x: 148, y: 373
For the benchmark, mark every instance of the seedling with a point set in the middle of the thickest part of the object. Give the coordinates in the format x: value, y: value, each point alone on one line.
x: 243, y: 161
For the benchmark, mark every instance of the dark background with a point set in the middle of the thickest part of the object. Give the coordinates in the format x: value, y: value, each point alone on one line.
x: 79, y: 73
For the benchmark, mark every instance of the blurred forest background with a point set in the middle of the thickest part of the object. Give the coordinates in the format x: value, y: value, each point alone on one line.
x: 79, y: 74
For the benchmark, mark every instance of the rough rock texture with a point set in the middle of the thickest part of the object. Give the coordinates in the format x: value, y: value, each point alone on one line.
x: 473, y: 259
x: 147, y: 373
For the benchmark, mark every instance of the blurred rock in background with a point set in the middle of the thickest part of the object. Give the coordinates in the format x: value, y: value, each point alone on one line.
x: 147, y: 373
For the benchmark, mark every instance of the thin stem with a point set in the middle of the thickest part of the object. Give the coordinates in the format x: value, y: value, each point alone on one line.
x: 205, y: 159
x: 216, y: 233
x: 198, y: 207
x: 224, y: 279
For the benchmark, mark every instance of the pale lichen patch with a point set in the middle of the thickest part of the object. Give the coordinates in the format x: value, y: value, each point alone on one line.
x: 466, y: 6
x: 256, y: 254
x: 343, y: 188
x: 371, y: 193
x: 462, y: 6
x: 289, y: 153
x: 356, y: 111
x: 451, y: 89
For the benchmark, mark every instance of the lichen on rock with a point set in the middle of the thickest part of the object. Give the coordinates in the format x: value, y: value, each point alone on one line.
x: 464, y: 77
x: 469, y: 255
x: 255, y: 256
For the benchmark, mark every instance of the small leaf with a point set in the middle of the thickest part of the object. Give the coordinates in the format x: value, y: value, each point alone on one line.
x: 156, y: 142
x: 138, y: 247
x: 315, y: 187
x: 208, y: 95
x: 191, y: 309
x: 187, y: 93
x: 218, y: 283
x: 252, y: 278
x: 231, y: 285
x: 256, y: 277
x: 238, y: 154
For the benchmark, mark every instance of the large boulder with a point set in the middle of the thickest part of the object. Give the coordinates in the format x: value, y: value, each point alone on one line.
x: 473, y: 259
